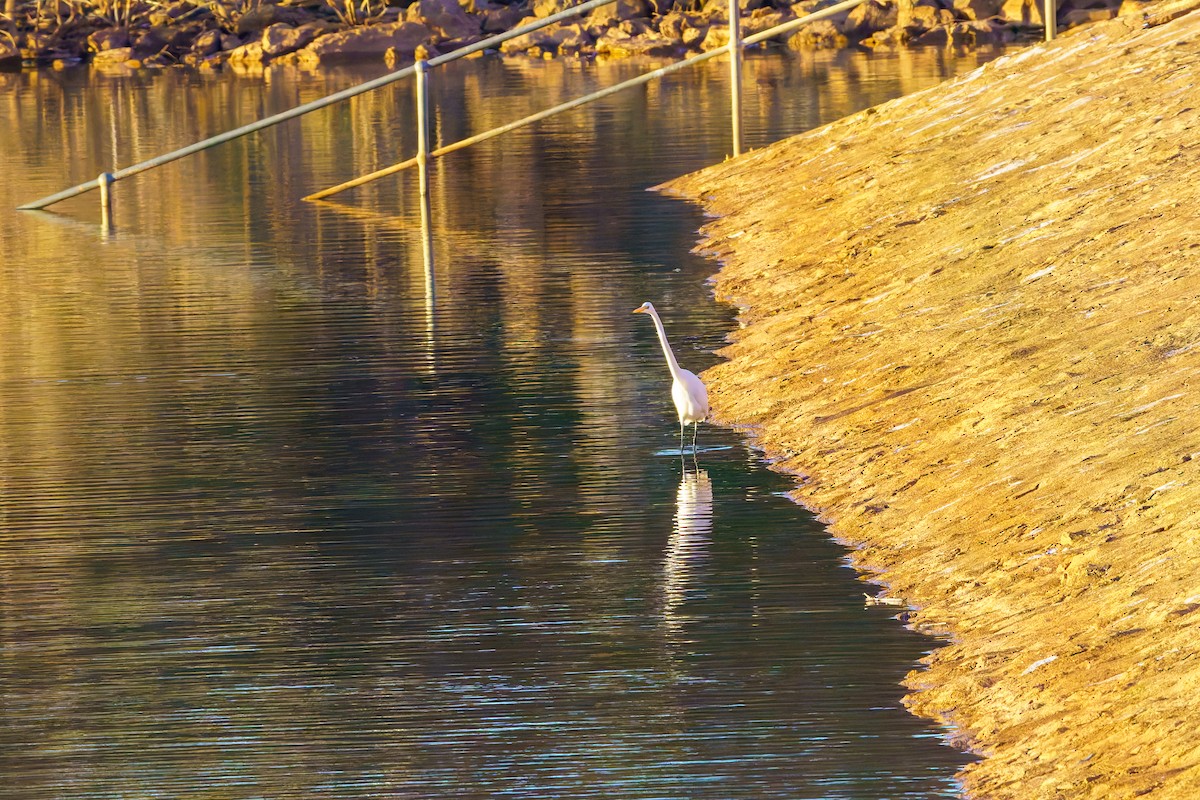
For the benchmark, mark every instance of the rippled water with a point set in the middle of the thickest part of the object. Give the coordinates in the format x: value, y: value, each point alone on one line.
x: 283, y: 516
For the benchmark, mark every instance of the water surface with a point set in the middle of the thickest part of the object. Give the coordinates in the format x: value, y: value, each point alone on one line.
x: 282, y: 515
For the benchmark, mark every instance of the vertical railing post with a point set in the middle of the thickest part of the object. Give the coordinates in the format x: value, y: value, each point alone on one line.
x: 423, y: 162
x: 105, y: 182
x: 735, y: 73
x: 1050, y: 12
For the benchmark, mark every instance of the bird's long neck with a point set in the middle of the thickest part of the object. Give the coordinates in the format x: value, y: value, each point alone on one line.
x: 672, y: 364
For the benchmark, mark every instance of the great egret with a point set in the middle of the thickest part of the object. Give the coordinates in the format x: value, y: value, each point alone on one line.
x: 689, y: 394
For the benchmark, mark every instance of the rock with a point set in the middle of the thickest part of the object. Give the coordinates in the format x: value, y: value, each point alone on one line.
x: 111, y: 58
x: 446, y: 18
x: 230, y: 41
x: 1083, y: 16
x: 169, y: 13
x: 609, y: 15
x: 251, y: 53
x: 618, y: 44
x: 929, y: 17
x: 977, y: 9
x: 580, y: 41
x: 763, y: 18
x: 1004, y: 31
x: 107, y: 39
x: 818, y: 35
x: 1133, y: 7
x: 995, y: 31
x: 369, y: 42
x: 716, y: 36
x: 970, y: 33
x: 635, y: 27
x: 673, y: 24
x: 262, y: 16
x: 550, y: 39
x: 256, y: 19
x: 450, y: 45
x: 935, y: 37
x: 1023, y: 12
x: 250, y: 69
x: 869, y: 17
x: 888, y: 37
x: 503, y: 18
x: 544, y: 8
x: 185, y: 35
x: 281, y: 38
x: 719, y: 9
x: 206, y: 44
x: 149, y: 41
x: 694, y: 36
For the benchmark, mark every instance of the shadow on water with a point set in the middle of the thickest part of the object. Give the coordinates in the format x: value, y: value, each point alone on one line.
x: 277, y: 519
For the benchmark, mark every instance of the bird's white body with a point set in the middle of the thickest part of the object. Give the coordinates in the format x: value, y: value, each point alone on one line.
x: 691, y: 398
x: 688, y: 392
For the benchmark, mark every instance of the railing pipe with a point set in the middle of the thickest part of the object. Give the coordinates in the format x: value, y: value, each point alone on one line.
x: 315, y: 105
x: 105, y: 182
x: 383, y: 80
x: 521, y: 123
x: 580, y: 101
x: 1050, y: 12
x: 735, y: 73
x: 423, y: 161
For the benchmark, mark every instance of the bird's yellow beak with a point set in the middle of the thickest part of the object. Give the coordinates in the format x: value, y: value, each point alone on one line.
x: 639, y: 310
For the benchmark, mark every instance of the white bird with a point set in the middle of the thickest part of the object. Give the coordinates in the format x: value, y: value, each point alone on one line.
x: 688, y: 392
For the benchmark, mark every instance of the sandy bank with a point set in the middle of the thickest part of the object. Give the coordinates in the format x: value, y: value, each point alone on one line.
x: 971, y: 327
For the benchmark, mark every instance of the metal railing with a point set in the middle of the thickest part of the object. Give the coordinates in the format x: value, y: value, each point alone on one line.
x: 106, y: 179
x: 734, y: 46
x: 421, y: 70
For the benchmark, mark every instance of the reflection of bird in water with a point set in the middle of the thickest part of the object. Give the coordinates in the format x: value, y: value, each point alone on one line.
x: 687, y: 547
x: 689, y: 394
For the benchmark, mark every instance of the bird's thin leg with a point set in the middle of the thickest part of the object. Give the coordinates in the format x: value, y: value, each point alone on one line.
x: 681, y: 438
x: 695, y: 427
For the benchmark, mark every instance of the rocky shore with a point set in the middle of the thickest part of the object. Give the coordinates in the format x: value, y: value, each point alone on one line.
x: 971, y: 321
x: 246, y: 34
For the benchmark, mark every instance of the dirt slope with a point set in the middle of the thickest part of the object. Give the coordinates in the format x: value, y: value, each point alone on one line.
x: 971, y: 325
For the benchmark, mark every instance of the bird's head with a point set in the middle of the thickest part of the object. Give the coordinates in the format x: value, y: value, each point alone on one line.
x: 644, y: 308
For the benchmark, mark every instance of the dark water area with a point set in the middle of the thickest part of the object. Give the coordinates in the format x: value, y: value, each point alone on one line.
x: 284, y: 516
